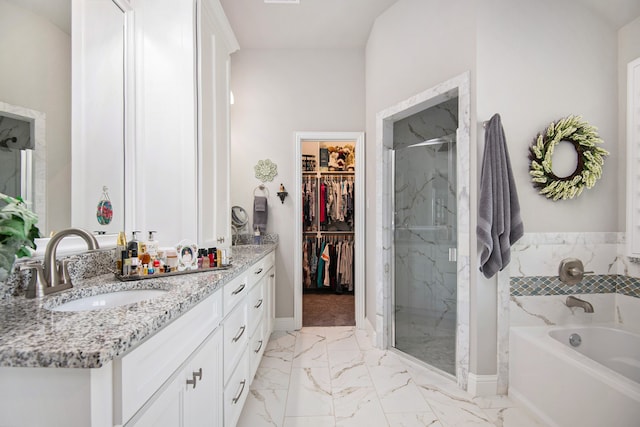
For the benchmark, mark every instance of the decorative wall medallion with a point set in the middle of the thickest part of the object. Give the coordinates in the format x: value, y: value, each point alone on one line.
x: 584, y: 138
x: 266, y: 170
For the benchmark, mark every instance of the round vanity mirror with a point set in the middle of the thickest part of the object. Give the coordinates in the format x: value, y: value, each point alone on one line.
x: 239, y: 217
x: 239, y: 220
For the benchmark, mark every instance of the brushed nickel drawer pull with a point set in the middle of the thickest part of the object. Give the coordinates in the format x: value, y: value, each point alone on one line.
x: 198, y: 374
x: 258, y: 271
x: 259, y: 348
x: 237, y: 397
x: 259, y: 304
x: 240, y: 289
x: 240, y: 332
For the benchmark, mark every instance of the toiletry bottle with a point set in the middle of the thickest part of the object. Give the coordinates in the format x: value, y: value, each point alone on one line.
x: 256, y: 237
x: 212, y: 257
x: 219, y: 258
x: 133, y: 256
x: 121, y: 246
x: 205, y: 258
x: 152, y: 245
x: 122, y: 267
x: 133, y: 243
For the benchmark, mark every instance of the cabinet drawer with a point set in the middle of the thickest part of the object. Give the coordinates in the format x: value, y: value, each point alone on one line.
x: 256, y: 306
x: 236, y: 391
x: 141, y: 372
x: 260, y: 268
x: 236, y: 337
x: 257, y: 344
x: 234, y: 292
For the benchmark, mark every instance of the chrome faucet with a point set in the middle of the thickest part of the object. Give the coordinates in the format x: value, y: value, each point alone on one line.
x: 53, y: 276
x: 577, y: 302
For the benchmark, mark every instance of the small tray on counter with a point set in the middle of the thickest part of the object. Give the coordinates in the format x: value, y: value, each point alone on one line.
x: 129, y: 278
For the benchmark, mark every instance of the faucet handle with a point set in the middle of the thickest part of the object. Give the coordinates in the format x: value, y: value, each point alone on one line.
x: 37, y: 282
x: 63, y: 271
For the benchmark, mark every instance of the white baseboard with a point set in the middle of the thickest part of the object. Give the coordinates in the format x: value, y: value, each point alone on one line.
x: 284, y: 324
x: 482, y: 385
x: 371, y: 331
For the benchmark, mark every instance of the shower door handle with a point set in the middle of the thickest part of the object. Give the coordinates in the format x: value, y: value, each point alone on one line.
x: 453, y: 255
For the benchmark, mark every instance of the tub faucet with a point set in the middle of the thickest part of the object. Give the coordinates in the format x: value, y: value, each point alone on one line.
x: 577, y: 302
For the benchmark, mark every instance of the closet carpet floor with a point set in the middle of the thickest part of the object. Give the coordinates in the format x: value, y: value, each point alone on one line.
x: 328, y: 310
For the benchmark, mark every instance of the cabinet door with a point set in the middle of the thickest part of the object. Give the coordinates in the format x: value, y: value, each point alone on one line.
x: 166, y: 411
x: 213, y: 128
x: 203, y: 398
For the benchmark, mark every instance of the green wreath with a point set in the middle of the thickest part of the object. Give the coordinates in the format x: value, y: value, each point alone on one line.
x: 585, y: 139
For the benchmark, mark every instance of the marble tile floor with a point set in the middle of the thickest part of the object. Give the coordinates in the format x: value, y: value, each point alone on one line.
x: 333, y: 376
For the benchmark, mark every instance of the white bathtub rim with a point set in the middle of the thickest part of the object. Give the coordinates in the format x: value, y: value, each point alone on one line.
x: 539, y: 335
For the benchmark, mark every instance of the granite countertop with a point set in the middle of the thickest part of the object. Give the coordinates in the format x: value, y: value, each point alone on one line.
x: 31, y: 335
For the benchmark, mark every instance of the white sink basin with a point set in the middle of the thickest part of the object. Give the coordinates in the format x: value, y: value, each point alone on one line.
x: 109, y: 300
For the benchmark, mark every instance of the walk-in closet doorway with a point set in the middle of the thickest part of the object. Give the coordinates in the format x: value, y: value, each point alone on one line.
x: 329, y: 221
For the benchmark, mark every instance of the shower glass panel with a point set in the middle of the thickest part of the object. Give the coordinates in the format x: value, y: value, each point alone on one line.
x: 425, y: 235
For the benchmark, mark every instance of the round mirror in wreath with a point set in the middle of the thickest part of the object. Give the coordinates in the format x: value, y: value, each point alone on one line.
x: 590, y: 158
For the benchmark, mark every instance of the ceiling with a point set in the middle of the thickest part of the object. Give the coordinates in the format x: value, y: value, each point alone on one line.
x: 346, y: 23
x: 313, y: 23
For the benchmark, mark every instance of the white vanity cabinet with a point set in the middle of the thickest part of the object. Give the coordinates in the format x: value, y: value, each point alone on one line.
x: 195, y: 371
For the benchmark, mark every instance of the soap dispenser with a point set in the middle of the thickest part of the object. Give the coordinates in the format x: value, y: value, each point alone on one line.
x: 152, y: 245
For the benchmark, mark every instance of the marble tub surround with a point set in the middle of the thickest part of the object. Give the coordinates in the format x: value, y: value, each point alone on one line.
x: 31, y: 335
x: 334, y: 376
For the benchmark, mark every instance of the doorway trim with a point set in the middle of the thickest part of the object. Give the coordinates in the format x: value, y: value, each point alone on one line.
x: 358, y: 139
x: 456, y: 86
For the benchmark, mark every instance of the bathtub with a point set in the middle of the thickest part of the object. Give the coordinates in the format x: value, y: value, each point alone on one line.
x: 595, y: 384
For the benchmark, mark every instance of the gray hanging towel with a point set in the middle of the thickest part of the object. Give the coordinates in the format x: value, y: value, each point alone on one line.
x: 499, y: 222
x: 260, y: 214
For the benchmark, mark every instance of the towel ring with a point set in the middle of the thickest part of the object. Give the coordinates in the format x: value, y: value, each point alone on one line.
x: 262, y: 188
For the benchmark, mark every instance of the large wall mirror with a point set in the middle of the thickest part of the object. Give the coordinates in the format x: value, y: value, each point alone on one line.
x: 37, y: 38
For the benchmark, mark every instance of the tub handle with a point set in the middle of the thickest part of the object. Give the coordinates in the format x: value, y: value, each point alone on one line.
x: 571, y: 271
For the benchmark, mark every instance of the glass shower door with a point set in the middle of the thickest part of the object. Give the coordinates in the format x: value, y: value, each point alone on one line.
x: 425, y: 241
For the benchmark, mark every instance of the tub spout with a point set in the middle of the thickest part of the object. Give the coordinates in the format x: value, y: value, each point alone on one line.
x: 577, y: 302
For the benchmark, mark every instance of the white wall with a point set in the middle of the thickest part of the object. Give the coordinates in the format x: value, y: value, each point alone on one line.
x: 279, y: 92
x: 540, y: 61
x: 36, y: 74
